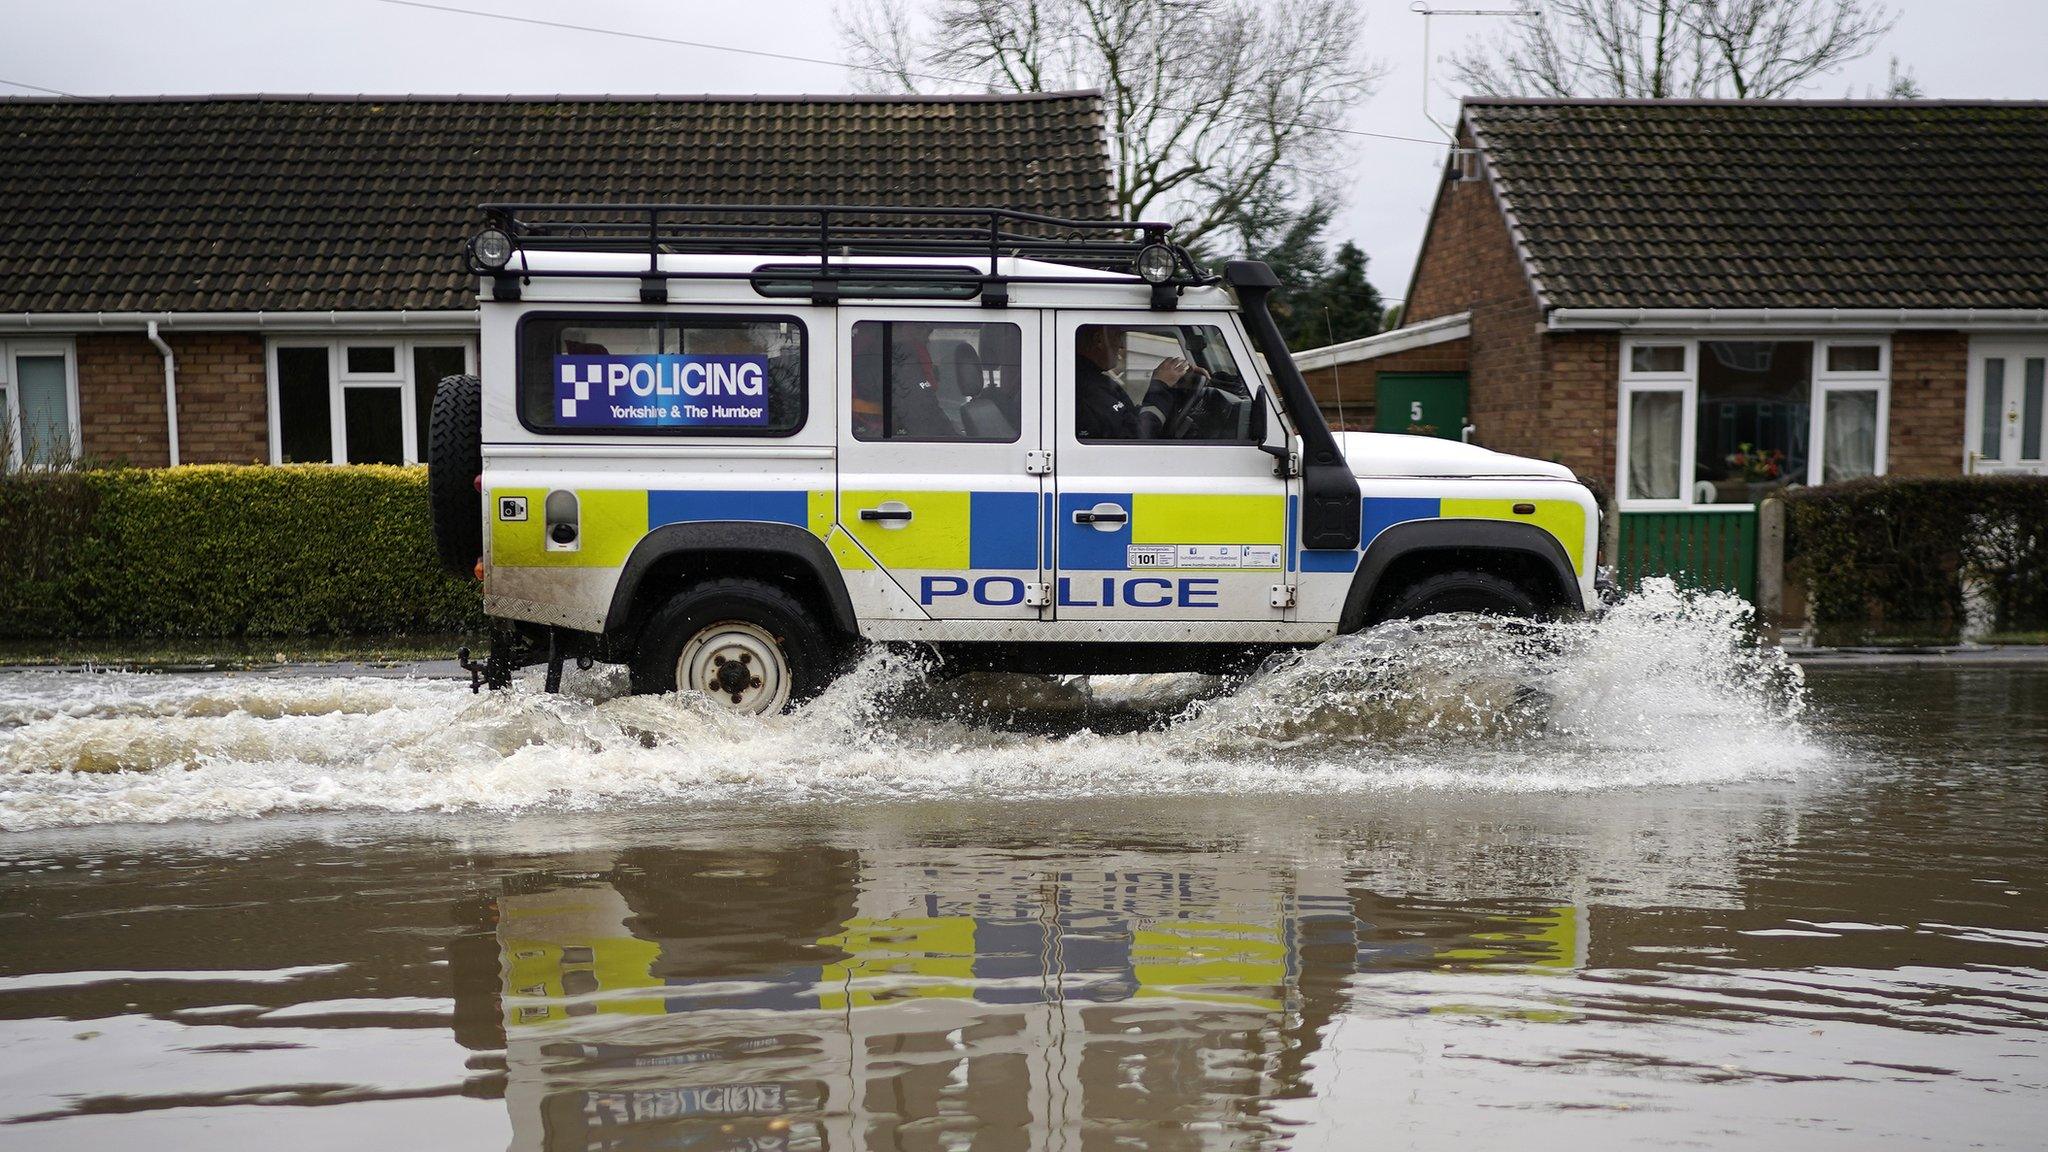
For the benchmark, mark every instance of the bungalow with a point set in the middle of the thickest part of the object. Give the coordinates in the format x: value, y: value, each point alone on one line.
x: 279, y: 278
x: 1695, y: 304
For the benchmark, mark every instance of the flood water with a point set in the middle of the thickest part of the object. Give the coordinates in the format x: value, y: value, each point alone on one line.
x: 1609, y: 885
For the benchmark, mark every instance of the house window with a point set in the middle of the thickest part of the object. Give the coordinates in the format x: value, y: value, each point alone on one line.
x: 1727, y: 422
x: 1754, y: 419
x: 358, y: 400
x: 1651, y: 359
x: 38, y: 404
x: 1656, y: 444
x: 431, y: 364
x: 1849, y: 415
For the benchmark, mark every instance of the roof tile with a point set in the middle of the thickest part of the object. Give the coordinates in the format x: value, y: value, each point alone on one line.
x: 315, y: 203
x: 1821, y: 204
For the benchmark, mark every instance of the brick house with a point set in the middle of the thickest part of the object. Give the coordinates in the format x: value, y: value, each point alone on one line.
x: 262, y: 278
x: 1694, y: 304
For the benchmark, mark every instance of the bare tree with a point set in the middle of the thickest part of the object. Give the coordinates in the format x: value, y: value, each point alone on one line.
x: 1770, y: 49
x: 1753, y: 49
x: 1217, y: 109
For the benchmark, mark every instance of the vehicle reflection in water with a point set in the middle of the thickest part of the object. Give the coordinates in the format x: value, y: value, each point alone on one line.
x: 1851, y: 959
x: 1040, y: 1009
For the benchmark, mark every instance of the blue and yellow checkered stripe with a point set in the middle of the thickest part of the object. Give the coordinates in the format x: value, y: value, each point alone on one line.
x: 994, y: 530
x: 614, y: 520
x: 952, y: 530
x: 1563, y: 519
x: 1165, y: 518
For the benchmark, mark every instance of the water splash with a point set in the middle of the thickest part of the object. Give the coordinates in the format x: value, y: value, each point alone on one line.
x: 1666, y: 688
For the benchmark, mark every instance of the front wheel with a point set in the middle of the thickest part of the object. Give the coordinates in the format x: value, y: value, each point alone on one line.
x: 1460, y: 590
x: 748, y: 645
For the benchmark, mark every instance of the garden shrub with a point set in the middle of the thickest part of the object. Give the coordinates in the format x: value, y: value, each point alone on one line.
x: 1900, y: 551
x: 44, y: 525
x: 224, y: 551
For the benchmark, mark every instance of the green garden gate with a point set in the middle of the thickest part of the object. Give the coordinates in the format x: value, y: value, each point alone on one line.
x: 1711, y: 550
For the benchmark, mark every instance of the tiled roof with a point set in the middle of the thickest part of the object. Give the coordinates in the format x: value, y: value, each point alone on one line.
x: 316, y: 203
x: 1844, y: 204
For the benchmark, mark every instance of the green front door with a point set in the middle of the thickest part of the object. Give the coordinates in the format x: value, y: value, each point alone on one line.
x: 1422, y: 403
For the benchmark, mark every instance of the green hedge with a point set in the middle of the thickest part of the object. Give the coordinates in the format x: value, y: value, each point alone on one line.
x: 224, y: 551
x: 1900, y: 551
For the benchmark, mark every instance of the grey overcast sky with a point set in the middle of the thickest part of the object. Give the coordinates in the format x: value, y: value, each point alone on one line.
x: 1956, y: 48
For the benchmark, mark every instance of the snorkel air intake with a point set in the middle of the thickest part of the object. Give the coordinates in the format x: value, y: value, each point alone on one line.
x: 1329, y: 491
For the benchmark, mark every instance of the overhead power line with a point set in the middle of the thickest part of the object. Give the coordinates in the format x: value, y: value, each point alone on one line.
x: 32, y: 87
x: 792, y: 58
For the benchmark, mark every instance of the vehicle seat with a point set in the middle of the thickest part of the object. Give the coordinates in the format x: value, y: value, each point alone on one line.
x: 916, y: 407
x: 981, y: 414
x: 955, y: 386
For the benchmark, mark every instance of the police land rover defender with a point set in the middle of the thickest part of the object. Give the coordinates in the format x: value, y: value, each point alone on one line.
x: 725, y: 446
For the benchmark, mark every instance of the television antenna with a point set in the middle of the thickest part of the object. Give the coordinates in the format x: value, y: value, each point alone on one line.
x: 1421, y: 8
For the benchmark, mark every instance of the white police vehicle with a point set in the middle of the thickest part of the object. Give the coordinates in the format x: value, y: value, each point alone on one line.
x: 726, y: 446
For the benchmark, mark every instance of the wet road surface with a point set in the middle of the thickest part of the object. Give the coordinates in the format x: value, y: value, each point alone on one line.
x: 1619, y: 895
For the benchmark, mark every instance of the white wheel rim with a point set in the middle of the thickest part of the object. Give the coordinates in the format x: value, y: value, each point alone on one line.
x: 737, y: 664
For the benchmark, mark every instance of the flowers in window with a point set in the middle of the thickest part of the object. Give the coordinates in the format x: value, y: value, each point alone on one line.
x: 1756, y: 464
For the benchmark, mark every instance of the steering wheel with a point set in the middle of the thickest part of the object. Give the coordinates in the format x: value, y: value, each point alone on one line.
x: 1199, y: 400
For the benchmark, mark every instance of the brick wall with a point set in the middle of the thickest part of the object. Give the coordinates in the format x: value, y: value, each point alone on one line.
x: 1360, y: 380
x: 1930, y: 371
x: 222, y: 399
x: 121, y: 400
x: 1469, y: 264
x: 1582, y: 372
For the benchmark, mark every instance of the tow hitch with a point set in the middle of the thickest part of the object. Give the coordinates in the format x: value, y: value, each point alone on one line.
x: 513, y: 649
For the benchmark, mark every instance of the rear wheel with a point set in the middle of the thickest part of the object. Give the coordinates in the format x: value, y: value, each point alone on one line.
x: 1461, y: 590
x: 748, y: 645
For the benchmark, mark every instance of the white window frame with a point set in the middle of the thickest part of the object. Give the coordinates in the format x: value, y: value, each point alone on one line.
x: 339, y: 379
x: 1826, y: 382
x: 1686, y: 384
x: 398, y: 371
x: 10, y: 404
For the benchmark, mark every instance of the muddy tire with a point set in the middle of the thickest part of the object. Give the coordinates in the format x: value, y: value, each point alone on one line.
x: 454, y: 461
x: 748, y: 645
x: 1460, y: 590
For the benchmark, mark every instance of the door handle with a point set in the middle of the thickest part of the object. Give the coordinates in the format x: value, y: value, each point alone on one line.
x: 1086, y: 516
x: 894, y: 514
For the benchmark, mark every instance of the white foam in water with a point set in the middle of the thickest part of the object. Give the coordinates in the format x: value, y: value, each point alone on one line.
x: 1664, y: 689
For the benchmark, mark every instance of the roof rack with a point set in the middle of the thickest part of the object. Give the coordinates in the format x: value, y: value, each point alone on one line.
x: 828, y: 234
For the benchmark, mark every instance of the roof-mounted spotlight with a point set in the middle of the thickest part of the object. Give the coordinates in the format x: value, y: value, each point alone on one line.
x: 491, y: 247
x: 1156, y: 264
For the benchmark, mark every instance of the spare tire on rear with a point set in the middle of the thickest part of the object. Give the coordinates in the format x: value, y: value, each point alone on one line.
x: 454, y: 462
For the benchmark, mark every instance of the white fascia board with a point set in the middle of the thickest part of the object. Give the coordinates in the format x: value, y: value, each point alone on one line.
x: 328, y: 321
x: 1440, y: 330
x: 1796, y: 319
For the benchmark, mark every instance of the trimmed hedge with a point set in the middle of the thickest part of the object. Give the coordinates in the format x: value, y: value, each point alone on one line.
x: 1901, y: 551
x: 224, y: 551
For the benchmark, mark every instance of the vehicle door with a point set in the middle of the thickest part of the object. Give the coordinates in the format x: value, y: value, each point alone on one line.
x: 1168, y: 507
x: 938, y: 437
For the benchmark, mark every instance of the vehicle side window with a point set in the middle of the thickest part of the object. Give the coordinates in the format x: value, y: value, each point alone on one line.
x: 663, y: 375
x: 1151, y: 383
x: 946, y: 381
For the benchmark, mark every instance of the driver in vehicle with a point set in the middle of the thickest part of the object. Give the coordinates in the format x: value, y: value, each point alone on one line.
x: 1103, y: 409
